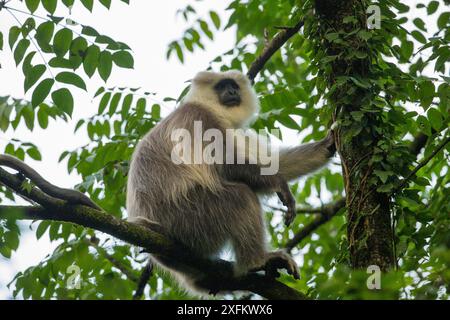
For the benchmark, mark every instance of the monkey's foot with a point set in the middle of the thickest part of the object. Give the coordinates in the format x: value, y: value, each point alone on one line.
x: 280, y: 260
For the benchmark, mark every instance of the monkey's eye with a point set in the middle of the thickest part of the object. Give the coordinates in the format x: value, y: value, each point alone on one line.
x: 225, y: 84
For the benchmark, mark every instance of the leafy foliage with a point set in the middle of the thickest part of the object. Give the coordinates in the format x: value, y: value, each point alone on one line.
x: 405, y: 93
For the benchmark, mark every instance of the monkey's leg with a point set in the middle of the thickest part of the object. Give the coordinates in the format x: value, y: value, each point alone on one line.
x: 250, y: 174
x: 245, y: 226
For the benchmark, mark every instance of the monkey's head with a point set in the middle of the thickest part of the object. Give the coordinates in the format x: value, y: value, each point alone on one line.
x: 229, y: 95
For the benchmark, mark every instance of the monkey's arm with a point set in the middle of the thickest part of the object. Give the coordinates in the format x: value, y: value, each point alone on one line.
x: 250, y: 174
x: 301, y: 160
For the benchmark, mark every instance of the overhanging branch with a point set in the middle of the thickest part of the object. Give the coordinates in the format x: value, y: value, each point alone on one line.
x: 271, y: 47
x: 422, y: 164
x: 327, y: 212
x: 216, y: 274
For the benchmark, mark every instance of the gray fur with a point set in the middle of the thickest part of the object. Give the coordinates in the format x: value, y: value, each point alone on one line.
x: 207, y: 206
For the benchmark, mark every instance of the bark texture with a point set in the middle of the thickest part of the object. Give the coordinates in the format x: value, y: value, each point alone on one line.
x: 369, y: 229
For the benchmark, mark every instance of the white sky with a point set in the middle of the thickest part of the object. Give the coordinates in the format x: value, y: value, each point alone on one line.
x: 147, y: 27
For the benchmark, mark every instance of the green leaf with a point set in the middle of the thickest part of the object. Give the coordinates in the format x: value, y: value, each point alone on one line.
x: 419, y: 36
x: 89, y: 31
x: 12, y: 240
x: 44, y: 32
x: 41, y: 92
x: 61, y: 63
x: 91, y: 60
x: 20, y: 50
x: 385, y: 188
x: 71, y: 78
x: 443, y: 20
x: 62, y: 41
x: 419, y: 23
x: 105, y: 65
x: 28, y: 115
x: 383, y: 175
x: 42, y: 116
x: 179, y: 52
x: 215, y: 19
x: 106, y: 3
x: 89, y: 4
x: 436, y: 119
x: 63, y: 100
x: 26, y: 66
x: 68, y: 3
x: 127, y: 101
x: 99, y: 91
x: 49, y: 5
x: 332, y: 36
x: 114, y: 103
x: 104, y: 102
x: 205, y: 28
x: 156, y: 112
x: 426, y: 93
x: 14, y: 33
x: 123, y: 59
x: 79, y: 46
x: 407, y: 49
x: 42, y: 228
x: 424, y: 125
x: 1, y: 41
x: 32, y: 5
x: 432, y: 7
x: 33, y: 75
x: 34, y: 154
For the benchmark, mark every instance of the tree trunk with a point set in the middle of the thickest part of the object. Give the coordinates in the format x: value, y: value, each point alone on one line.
x: 369, y: 230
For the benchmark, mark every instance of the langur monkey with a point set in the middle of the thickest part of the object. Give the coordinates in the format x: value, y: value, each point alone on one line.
x: 207, y: 206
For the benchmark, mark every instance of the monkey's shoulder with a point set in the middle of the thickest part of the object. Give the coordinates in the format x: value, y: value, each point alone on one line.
x: 189, y: 113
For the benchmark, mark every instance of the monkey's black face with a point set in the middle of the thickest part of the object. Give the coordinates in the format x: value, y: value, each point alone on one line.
x: 228, y: 92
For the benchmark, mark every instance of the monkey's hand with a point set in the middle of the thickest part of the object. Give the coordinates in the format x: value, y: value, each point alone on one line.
x: 288, y: 200
x: 330, y: 143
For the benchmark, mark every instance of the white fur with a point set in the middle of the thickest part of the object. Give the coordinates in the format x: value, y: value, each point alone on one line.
x: 202, y: 92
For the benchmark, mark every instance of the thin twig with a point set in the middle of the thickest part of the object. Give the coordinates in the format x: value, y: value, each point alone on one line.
x: 328, y: 212
x: 269, y: 49
x: 422, y: 164
x: 50, y: 20
x: 34, y: 44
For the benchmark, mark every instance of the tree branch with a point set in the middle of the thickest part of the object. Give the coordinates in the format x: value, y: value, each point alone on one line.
x: 270, y: 48
x: 327, y: 212
x: 422, y: 164
x: 70, y: 195
x: 215, y: 274
x: 93, y: 242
